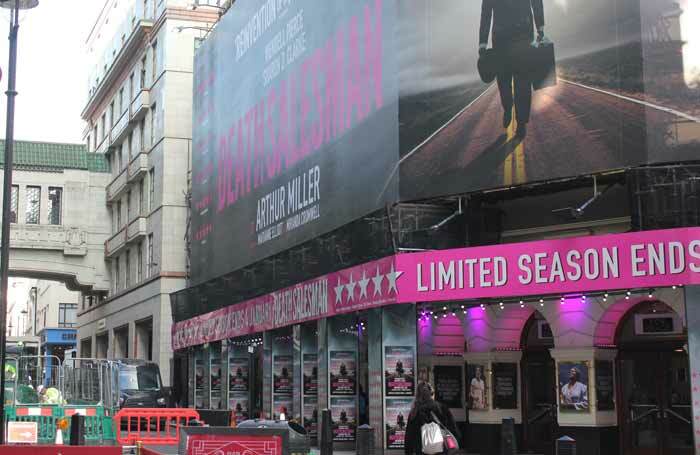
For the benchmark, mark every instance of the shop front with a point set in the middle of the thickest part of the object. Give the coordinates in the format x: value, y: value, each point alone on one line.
x: 586, y: 338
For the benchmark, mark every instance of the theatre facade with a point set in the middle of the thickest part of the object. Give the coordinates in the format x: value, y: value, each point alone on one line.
x: 362, y: 221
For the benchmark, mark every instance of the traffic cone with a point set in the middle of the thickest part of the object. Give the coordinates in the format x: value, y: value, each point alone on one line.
x: 59, y: 437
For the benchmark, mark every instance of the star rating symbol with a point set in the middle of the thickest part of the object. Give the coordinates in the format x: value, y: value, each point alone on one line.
x: 339, y: 292
x: 377, y: 280
x: 351, y: 288
x: 392, y: 276
x: 363, y: 285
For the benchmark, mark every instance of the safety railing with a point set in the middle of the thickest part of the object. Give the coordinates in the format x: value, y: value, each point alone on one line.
x: 152, y: 425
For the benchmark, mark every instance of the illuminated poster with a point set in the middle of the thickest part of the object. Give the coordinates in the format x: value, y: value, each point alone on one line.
x: 398, y: 371
x: 282, y: 372
x: 397, y: 410
x: 215, y: 373
x: 310, y: 374
x: 343, y: 417
x: 238, y: 374
x: 342, y: 367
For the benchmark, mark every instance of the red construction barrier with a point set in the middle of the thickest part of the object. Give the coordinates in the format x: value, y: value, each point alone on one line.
x: 63, y: 450
x: 151, y: 425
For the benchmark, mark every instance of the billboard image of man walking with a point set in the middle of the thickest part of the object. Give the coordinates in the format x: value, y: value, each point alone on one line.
x: 511, y: 24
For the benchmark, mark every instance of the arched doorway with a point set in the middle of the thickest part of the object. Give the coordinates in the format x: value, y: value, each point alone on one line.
x: 654, y: 415
x: 539, y: 388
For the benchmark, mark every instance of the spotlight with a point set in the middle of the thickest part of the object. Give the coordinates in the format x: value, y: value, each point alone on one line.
x: 629, y: 293
x: 673, y: 287
x: 651, y: 294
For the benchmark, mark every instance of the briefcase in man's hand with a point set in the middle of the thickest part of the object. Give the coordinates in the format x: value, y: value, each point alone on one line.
x: 543, y: 65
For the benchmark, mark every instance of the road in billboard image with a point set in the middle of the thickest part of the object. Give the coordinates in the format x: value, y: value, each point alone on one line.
x: 627, y: 91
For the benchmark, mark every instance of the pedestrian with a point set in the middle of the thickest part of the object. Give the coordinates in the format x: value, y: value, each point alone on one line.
x: 512, y: 33
x: 424, y: 407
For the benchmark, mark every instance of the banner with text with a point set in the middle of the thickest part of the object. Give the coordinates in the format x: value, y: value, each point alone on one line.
x: 582, y: 264
x: 295, y: 126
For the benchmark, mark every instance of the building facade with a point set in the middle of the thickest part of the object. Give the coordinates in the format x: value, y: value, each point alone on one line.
x: 382, y: 196
x: 138, y: 115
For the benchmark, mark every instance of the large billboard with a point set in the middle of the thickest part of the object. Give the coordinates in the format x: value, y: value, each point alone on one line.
x: 295, y: 127
x: 310, y: 114
x: 627, y: 90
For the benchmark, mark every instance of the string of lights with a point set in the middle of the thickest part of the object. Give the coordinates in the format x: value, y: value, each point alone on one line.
x: 437, y: 311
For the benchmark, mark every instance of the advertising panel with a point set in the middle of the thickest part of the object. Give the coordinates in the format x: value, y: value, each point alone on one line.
x: 494, y: 94
x: 397, y: 411
x: 342, y: 371
x: 282, y: 374
x: 295, y: 126
x: 573, y: 386
x: 310, y: 374
x: 398, y: 371
x: 343, y: 417
x: 238, y: 403
x: 311, y: 416
x: 238, y: 374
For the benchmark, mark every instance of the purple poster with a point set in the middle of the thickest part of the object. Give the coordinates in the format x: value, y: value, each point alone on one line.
x: 311, y: 416
x: 343, y: 417
x: 215, y: 374
x: 342, y: 371
x: 238, y: 374
x: 238, y: 403
x: 397, y: 410
x: 398, y: 371
x: 282, y: 371
x: 310, y: 374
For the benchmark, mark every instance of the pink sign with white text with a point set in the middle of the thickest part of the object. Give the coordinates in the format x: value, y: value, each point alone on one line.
x: 595, y: 263
x: 567, y: 266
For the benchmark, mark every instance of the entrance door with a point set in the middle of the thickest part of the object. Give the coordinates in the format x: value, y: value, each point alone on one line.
x: 539, y: 403
x: 656, y: 416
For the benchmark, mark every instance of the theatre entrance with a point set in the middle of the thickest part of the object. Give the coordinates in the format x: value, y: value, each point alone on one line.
x: 539, y: 390
x: 655, y: 414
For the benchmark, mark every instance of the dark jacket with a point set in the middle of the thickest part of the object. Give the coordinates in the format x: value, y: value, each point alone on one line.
x: 413, y: 444
x: 512, y: 21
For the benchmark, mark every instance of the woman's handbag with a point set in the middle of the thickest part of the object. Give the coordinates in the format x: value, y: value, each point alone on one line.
x: 432, y: 441
x: 449, y: 440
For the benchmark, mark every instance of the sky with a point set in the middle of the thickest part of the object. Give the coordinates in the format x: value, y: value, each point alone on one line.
x: 51, y: 69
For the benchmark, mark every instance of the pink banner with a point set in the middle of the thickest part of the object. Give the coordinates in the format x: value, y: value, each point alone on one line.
x: 621, y: 261
x: 582, y: 264
x: 357, y: 288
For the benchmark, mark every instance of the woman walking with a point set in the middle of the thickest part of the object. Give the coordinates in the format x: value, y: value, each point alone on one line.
x: 424, y: 407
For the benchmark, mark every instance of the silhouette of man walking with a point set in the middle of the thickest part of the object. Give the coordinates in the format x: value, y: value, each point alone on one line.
x: 513, y: 28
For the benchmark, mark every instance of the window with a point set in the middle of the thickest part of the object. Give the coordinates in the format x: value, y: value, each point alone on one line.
x: 128, y: 206
x: 67, y: 314
x: 118, y: 154
x: 94, y: 137
x: 121, y: 101
x: 117, y: 275
x: 139, y: 265
x: 33, y: 204
x: 142, y: 135
x: 111, y: 114
x: 142, y: 195
x: 153, y: 124
x: 119, y: 215
x: 14, y: 203
x: 154, y: 53
x: 151, y: 188
x: 143, y: 72
x: 130, y: 144
x: 104, y: 125
x: 131, y: 87
x: 127, y: 268
x: 55, y: 196
x: 149, y: 265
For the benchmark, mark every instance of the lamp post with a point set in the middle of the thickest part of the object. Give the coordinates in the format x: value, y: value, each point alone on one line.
x: 14, y: 6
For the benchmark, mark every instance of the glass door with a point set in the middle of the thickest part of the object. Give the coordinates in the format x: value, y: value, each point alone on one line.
x: 656, y: 414
x: 539, y: 402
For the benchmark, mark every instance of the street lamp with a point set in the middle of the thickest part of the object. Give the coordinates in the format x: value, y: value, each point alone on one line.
x: 14, y: 6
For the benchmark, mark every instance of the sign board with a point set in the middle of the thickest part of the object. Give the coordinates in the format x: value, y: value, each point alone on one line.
x: 230, y: 441
x: 22, y: 432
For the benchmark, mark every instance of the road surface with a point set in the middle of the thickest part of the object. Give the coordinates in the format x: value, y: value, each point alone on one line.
x: 573, y: 130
